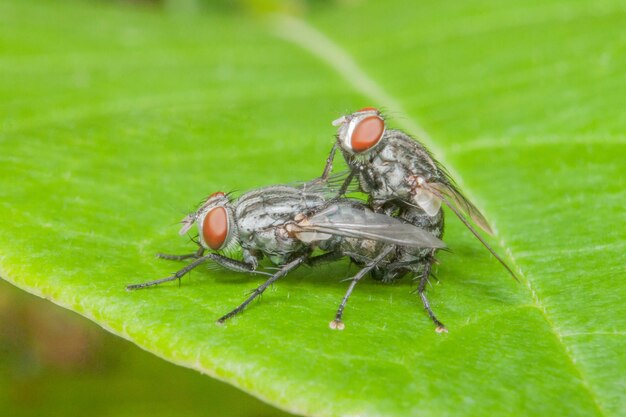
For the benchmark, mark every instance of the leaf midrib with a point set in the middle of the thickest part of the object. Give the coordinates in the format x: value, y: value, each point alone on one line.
x: 332, y: 54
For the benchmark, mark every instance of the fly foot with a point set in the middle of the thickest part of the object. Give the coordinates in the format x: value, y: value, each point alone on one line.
x: 337, y: 325
x: 441, y: 328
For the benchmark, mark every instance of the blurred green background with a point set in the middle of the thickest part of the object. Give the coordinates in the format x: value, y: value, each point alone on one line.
x: 55, y: 363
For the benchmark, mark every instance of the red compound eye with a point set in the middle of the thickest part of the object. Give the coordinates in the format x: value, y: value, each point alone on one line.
x: 368, y: 109
x: 367, y: 133
x: 215, y: 227
x: 217, y: 194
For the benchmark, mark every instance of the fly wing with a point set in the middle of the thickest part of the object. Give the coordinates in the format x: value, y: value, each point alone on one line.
x: 355, y: 222
x: 335, y: 185
x: 430, y: 197
x: 453, y: 196
x: 456, y: 202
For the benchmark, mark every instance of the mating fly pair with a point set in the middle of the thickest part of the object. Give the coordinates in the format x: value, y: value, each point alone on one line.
x: 286, y: 224
x: 395, y: 234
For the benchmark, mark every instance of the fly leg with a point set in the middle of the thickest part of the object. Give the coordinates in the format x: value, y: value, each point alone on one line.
x: 397, y: 270
x: 328, y: 169
x: 194, y: 255
x: 358, y: 258
x: 329, y: 163
x: 235, y: 265
x: 232, y: 264
x: 337, y: 323
x: 346, y: 184
x: 420, y: 290
x: 177, y: 275
x: 284, y: 270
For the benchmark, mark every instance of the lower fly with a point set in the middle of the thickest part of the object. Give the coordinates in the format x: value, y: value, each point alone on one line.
x: 287, y: 224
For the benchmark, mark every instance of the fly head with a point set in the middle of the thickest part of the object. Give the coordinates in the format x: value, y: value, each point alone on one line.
x: 216, y: 224
x: 360, y: 131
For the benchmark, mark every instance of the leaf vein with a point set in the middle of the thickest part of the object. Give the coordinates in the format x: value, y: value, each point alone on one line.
x: 318, y: 44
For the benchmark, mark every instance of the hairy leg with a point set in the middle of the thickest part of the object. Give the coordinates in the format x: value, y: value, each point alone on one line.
x: 421, y: 291
x: 232, y: 264
x: 337, y: 323
x: 259, y: 290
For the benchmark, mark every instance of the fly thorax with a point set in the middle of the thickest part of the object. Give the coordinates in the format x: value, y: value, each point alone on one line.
x: 390, y: 172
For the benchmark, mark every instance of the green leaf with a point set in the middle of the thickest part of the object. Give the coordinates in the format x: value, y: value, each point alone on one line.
x: 116, y: 121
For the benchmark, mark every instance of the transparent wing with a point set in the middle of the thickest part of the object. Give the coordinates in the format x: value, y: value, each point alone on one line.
x: 430, y: 197
x: 456, y: 202
x: 337, y: 184
x: 357, y: 222
x: 453, y: 196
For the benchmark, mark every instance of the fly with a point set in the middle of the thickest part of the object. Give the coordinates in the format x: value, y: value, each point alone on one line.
x: 286, y: 224
x: 400, y: 175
